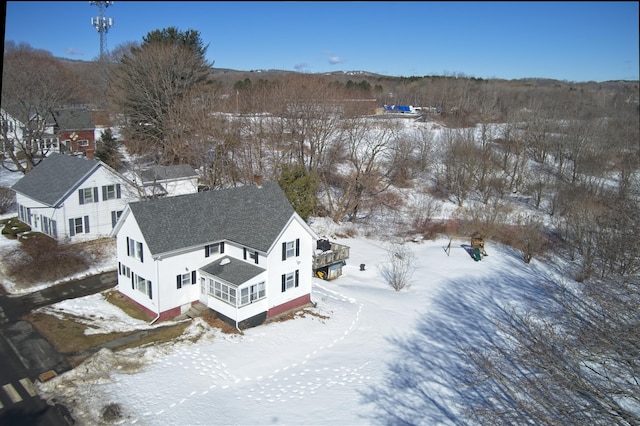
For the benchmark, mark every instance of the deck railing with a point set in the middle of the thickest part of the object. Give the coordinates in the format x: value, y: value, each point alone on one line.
x: 337, y: 253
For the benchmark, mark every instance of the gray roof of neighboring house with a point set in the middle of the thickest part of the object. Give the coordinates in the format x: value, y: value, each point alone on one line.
x: 52, y: 179
x: 160, y: 173
x: 23, y: 111
x: 73, y: 119
x: 252, y: 216
x: 233, y: 271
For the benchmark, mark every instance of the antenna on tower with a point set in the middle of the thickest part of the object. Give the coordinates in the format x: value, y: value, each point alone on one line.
x: 102, y: 24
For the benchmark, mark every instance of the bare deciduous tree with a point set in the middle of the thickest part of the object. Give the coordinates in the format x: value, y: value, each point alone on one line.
x: 368, y: 146
x: 154, y: 88
x: 34, y: 84
x: 573, y: 361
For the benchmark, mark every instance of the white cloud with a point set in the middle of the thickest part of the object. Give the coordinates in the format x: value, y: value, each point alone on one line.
x: 74, y: 52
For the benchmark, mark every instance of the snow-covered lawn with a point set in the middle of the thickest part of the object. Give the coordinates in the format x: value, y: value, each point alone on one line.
x: 316, y: 368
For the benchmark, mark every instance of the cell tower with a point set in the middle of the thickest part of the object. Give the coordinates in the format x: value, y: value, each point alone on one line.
x: 102, y: 24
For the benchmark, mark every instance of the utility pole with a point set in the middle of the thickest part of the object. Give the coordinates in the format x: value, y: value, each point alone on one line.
x: 102, y: 24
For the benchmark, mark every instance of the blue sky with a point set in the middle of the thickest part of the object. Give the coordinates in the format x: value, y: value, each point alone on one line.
x: 573, y: 41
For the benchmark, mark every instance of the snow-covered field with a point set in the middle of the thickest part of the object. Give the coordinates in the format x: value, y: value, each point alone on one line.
x: 314, y: 369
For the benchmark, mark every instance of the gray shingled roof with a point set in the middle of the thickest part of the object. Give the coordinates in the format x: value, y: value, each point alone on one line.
x: 233, y: 271
x: 54, y: 177
x: 251, y: 216
x: 159, y: 173
x: 73, y: 119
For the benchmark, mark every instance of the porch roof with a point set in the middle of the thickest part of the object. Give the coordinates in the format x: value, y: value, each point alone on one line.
x: 233, y: 271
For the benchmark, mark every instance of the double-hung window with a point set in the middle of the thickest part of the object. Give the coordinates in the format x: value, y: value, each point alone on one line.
x: 290, y: 280
x: 115, y: 216
x: 88, y: 195
x: 135, y: 249
x: 183, y: 280
x: 141, y: 284
x: 111, y: 192
x: 211, y: 249
x: 290, y: 249
x: 251, y: 254
x: 79, y: 225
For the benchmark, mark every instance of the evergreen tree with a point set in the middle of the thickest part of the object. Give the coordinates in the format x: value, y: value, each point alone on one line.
x: 300, y: 187
x: 107, y: 150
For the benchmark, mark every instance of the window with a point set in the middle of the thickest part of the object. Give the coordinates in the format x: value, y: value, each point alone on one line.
x: 135, y: 249
x: 111, y: 192
x: 252, y: 293
x: 115, y: 216
x: 250, y: 254
x: 79, y: 225
x: 290, y: 249
x: 223, y: 291
x: 257, y: 291
x: 53, y: 228
x: 183, y: 280
x: 290, y: 280
x: 124, y: 270
x: 22, y: 213
x: 212, y: 249
x: 88, y: 195
x: 139, y: 254
x: 140, y: 284
x: 186, y: 279
x: 83, y: 142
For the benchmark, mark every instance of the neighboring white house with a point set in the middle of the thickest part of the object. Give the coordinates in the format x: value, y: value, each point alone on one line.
x: 243, y: 252
x: 14, y: 124
x: 72, y: 197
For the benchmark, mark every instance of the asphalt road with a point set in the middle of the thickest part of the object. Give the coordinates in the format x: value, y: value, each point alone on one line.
x: 26, y: 354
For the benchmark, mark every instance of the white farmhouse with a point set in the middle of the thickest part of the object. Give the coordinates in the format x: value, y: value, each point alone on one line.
x: 72, y: 197
x: 243, y: 252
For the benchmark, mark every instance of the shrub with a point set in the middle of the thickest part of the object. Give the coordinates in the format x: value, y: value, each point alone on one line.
x: 398, y: 270
x: 7, y: 199
x: 13, y: 227
x: 40, y: 258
